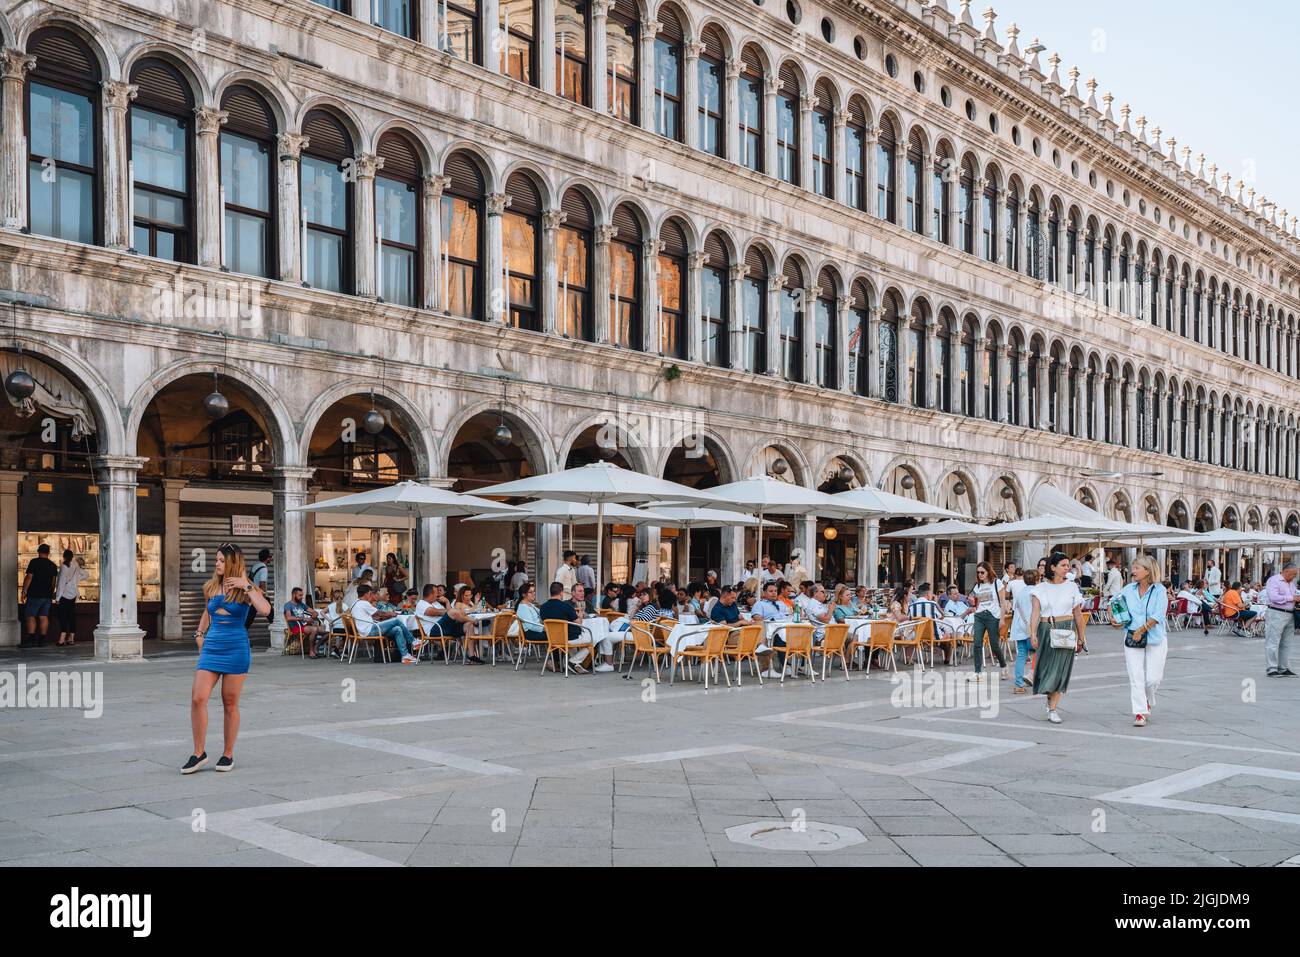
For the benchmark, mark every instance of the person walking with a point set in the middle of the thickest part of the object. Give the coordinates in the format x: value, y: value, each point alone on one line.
x: 66, y: 592
x: 259, y: 574
x: 37, y: 595
x: 985, y: 622
x: 1145, y: 637
x: 1279, y: 625
x: 1022, y: 610
x: 1056, y: 632
x: 223, y: 653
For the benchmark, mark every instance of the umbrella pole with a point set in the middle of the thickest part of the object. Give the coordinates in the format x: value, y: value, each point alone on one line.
x: 600, y: 537
x: 410, y: 552
x: 688, y: 551
x: 759, y: 557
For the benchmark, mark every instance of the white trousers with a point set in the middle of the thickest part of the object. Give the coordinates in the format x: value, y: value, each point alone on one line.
x: 1146, y: 666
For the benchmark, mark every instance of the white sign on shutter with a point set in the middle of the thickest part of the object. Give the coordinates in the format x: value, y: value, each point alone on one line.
x: 246, y: 526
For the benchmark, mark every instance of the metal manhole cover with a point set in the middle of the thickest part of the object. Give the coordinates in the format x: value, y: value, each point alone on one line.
x: 804, y: 836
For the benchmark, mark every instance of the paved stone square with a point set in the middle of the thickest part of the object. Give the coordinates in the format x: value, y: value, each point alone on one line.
x: 453, y: 765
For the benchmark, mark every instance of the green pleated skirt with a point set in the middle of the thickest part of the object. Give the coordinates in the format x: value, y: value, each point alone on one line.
x: 1052, y: 666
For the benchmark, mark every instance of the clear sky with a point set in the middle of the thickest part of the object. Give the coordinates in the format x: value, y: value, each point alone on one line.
x: 1221, y: 78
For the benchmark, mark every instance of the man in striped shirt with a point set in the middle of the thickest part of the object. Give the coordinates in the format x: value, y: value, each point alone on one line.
x: 922, y: 605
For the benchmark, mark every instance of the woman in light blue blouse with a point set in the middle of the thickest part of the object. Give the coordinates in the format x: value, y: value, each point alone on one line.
x: 1145, y: 647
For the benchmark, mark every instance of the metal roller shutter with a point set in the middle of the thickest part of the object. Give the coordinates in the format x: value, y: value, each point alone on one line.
x: 206, y: 532
x: 466, y: 180
x: 674, y: 240
x: 401, y: 161
x: 524, y: 198
x: 577, y: 210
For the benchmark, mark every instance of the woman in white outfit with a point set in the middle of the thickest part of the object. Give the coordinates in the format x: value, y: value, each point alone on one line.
x: 1145, y: 645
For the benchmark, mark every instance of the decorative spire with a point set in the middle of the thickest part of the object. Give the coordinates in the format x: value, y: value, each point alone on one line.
x: 1108, y: 99
x: 1092, y: 92
x: 1125, y: 112
x: 1173, y: 147
x: 1033, y: 50
x: 1227, y: 182
x: 1055, y: 75
x: 1013, y: 32
x: 1200, y: 166
x: 1211, y: 176
x: 1074, y: 82
x: 1155, y: 138
x: 1187, y: 159
x: 989, y: 33
x: 1142, y: 128
x: 966, y: 20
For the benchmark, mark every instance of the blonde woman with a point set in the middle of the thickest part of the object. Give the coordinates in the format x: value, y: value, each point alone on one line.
x: 223, y: 652
x: 1145, y: 647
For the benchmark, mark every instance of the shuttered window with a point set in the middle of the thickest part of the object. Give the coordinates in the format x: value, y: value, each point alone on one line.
x: 462, y: 238
x: 715, y: 298
x: 521, y: 239
x: 162, y: 138
x: 397, y: 220
x: 672, y: 291
x: 573, y: 263
x: 248, y: 184
x: 625, y: 280
x: 326, y: 204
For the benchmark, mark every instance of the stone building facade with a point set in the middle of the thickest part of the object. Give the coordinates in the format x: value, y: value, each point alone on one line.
x: 847, y: 243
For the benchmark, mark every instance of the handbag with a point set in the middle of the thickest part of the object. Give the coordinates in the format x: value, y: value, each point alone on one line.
x: 1131, y: 642
x: 1061, y: 638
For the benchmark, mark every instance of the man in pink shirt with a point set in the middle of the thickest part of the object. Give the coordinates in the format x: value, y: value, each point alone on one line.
x: 1279, y: 625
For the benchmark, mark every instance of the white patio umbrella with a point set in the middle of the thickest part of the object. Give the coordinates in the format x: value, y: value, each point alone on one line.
x: 575, y: 513
x: 601, y: 484
x: 760, y: 495
x: 951, y: 529
x: 410, y: 500
x: 686, y: 518
x: 888, y: 505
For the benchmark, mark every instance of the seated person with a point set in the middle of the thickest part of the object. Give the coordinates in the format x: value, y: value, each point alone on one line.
x: 726, y: 610
x: 371, y: 621
x: 457, y: 623
x: 770, y: 607
x: 556, y: 608
x: 301, y: 622
x: 1236, y: 610
x: 923, y: 605
x: 528, y: 618
x: 845, y: 607
x: 610, y: 600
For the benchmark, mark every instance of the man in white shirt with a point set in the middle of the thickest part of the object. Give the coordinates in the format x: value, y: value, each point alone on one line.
x: 586, y: 575
x: 1085, y: 574
x: 1114, y: 581
x: 427, y: 609
x: 1213, y: 579
x: 361, y: 566
x: 819, y: 612
x: 371, y: 621
x: 517, y: 579
x: 567, y: 575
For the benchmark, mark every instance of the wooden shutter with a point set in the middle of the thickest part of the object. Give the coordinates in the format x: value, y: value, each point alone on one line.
x: 716, y: 250
x: 401, y: 161
x: 161, y: 87
x: 755, y: 263
x: 327, y: 137
x: 466, y: 180
x: 713, y: 48
x: 61, y: 54
x: 577, y: 210
x: 248, y: 113
x: 625, y: 221
x: 674, y: 240
x: 524, y: 198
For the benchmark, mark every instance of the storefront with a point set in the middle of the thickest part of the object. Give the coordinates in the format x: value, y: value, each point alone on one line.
x: 337, y: 546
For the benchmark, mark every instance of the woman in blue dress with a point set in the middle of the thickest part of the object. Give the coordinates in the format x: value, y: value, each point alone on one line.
x: 223, y: 652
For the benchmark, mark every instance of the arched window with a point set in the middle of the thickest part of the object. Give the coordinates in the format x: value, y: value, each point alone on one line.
x: 622, y: 46
x: 572, y: 36
x: 1031, y: 383
x: 993, y: 397
x: 458, y: 29
x: 326, y: 204
x: 573, y: 255
x: 715, y: 302
x: 162, y: 162
x: 989, y: 225
x: 966, y: 209
x: 1012, y: 230
x: 63, y: 135
x: 749, y: 97
x: 858, y: 345
x: 522, y: 250
x: 943, y: 372
x: 787, y: 125
x: 940, y: 198
x: 855, y: 157
x: 1053, y: 235
x: 793, y: 303
x: 823, y: 142
x: 1089, y: 257
x: 668, y: 76
x: 1139, y: 282
x: 397, y: 220
x: 915, y: 220
x: 397, y: 16
x: 827, y: 341
x: 519, y: 33
x: 248, y: 184
x: 918, y: 365
x: 1124, y: 277
x: 753, y: 312
x: 1170, y: 275
x: 1182, y: 303
x: 1198, y: 309
x: 891, y: 319
x: 885, y: 147
x: 711, y: 94
x: 1107, y: 259
x: 462, y: 238
x: 1090, y: 384
x: 672, y: 291
x: 625, y: 280
x: 1154, y: 298
x: 1033, y: 241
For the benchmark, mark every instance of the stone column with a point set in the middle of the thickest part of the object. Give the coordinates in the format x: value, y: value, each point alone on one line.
x: 431, y: 240
x: 291, y: 566
x: 552, y: 220
x: 808, y: 333
x: 491, y: 40
x: 924, y: 186
x: 805, y: 540
x: 875, y: 388
x: 209, y: 212
x: 1022, y: 234
x: 598, y: 58
x: 691, y: 93
x: 11, y: 625
x: 118, y: 636
x: 695, y: 263
x: 869, y: 140
x: 805, y: 141
x: 364, y: 169
x: 549, y: 547
x: 1022, y: 409
x: 1060, y: 253
x: 600, y: 284
x: 172, y: 559
x: 842, y: 306
x: 117, y: 178
x: 735, y: 320
x: 775, y: 282
x: 645, y: 548
x: 14, y: 65
x: 870, y: 559
x: 494, y: 261
x: 1003, y: 359
x: 733, y: 554
x: 289, y: 203
x: 1099, y: 406
x: 769, y: 125
x: 977, y: 216
x: 546, y: 47
x: 1130, y: 412
x: 903, y: 350
x: 431, y: 553
x: 932, y: 363
x: 1043, y: 409
x: 646, y: 82
x: 731, y: 115
x: 651, y: 334
x: 839, y: 161
x: 980, y: 374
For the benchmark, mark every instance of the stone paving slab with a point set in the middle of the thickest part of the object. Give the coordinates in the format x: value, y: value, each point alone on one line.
x: 453, y: 766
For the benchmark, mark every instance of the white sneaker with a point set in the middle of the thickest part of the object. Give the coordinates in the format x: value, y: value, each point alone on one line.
x: 409, y: 660
x: 771, y: 673
x: 1140, y: 721
x: 1053, y: 717
x: 603, y: 667
x: 1002, y: 673
x: 974, y: 676
x: 416, y: 645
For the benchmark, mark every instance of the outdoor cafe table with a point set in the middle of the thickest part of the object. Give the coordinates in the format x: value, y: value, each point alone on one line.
x: 692, y: 634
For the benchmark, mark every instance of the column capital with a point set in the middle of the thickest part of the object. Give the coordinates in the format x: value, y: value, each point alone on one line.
x: 291, y: 145
x: 737, y: 271
x: 735, y: 66
x: 435, y: 186
x: 118, y: 468
x: 604, y: 234
x: 807, y: 101
x: 843, y: 303
x: 10, y: 478
x: 119, y: 94
x: 650, y: 27
x: 14, y: 63
x: 553, y: 219
x: 496, y: 203
x: 697, y: 260
x: 653, y: 247
x: 209, y: 120
x: 769, y: 86
x: 600, y: 8
x: 841, y: 119
x: 693, y: 49
x: 300, y: 474
x: 366, y: 165
x: 775, y: 281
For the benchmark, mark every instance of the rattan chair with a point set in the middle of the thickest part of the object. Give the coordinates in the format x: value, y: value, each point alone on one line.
x: 745, y: 649
x: 352, y: 636
x: 644, y: 644
x: 833, y: 646
x: 557, y: 640
x: 798, y: 645
x: 707, y: 654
